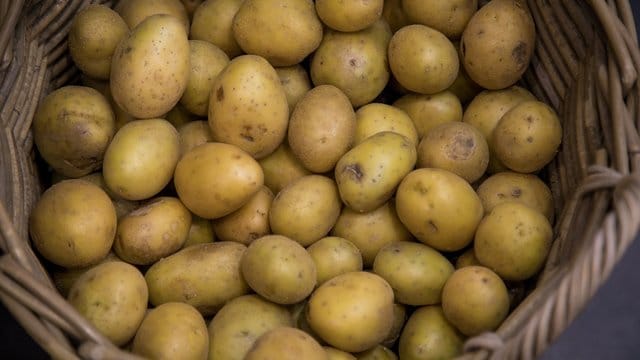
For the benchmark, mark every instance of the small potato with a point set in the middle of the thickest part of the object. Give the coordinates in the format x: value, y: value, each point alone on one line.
x: 94, y: 34
x: 468, y: 258
x: 321, y: 128
x: 216, y: 179
x: 73, y: 224
x: 377, y: 117
x: 113, y: 298
x: 200, y: 232
x: 510, y: 186
x: 295, y: 82
x: 370, y: 231
x: 153, y: 231
x: 439, y: 208
x: 394, y: 15
x: 213, y: 22
x: 248, y: 106
x: 429, y: 111
x: 279, y: 269
x: 283, y: 32
x: 448, y: 17
x: 135, y: 11
x: 306, y: 209
x: 141, y: 158
x: 422, y: 59
x: 498, y: 43
x: 150, y: 67
x: 368, y: 174
x: 457, y: 147
x: 249, y: 222
x: 333, y: 256
x: 469, y: 289
x: 281, y: 167
x: 72, y: 128
x: 527, y: 137
x: 378, y: 352
x: 171, y: 331
x: 207, y: 61
x: 513, y: 240
x: 429, y: 336
x: 415, y: 271
x: 349, y: 16
x: 286, y: 343
x: 335, y: 354
x: 188, y: 276
x: 342, y: 307
x: 192, y: 134
x: 241, y: 321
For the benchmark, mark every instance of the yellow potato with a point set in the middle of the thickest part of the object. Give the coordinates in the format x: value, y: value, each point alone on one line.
x: 448, y: 17
x: 429, y: 336
x: 286, y: 343
x: 64, y: 278
x: 333, y: 256
x: 377, y: 117
x: 200, y: 232
x: 335, y: 354
x: 378, y: 352
x: 190, y: 6
x: 394, y: 15
x: 429, y: 111
x: 399, y: 319
x: 468, y: 258
x: 281, y: 167
x: 123, y: 206
x: 178, y: 116
x: 213, y: 21
x: 249, y: 222
x: 135, y: 11
x: 295, y: 82
x: 192, y: 134
x: 349, y: 16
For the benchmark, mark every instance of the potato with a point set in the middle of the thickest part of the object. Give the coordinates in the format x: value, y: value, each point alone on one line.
x: 306, y: 209
x: 416, y: 272
x: 279, y: 269
x: 422, y: 59
x: 286, y: 343
x: 178, y: 116
x: 377, y: 117
x: 94, y: 34
x: 333, y: 256
x: 73, y: 224
x: 342, y: 307
x: 468, y: 258
x: 472, y: 288
x: 349, y: 16
x: 513, y: 240
x: 190, y: 6
x: 248, y: 106
x: 283, y: 32
x: 216, y: 179
x: 463, y: 87
x: 122, y: 206
x: 298, y: 311
x: 378, y: 352
x: 370, y: 231
x: 321, y: 128
x: 281, y: 167
x: 439, y: 208
x: 394, y: 15
x: 170, y: 331
x: 192, y: 134
x: 295, y: 82
x: 527, y: 137
x: 354, y: 62
x: 498, y: 43
x: 72, y: 128
x: 213, y: 22
x: 206, y: 61
x: 141, y: 158
x: 335, y: 354
x: 112, y: 297
x: 429, y: 336
x: 135, y: 11
x: 200, y: 232
x: 510, y: 186
x: 64, y: 278
x: 249, y: 222
x: 429, y: 111
x: 240, y: 323
x: 448, y: 17
x: 368, y: 174
x: 457, y: 147
x: 153, y: 231
x: 399, y: 318
x: 188, y: 276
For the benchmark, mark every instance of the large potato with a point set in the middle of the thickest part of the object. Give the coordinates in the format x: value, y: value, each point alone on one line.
x: 368, y: 174
x: 213, y: 22
x: 73, y: 224
x: 449, y: 17
x: 150, y: 67
x: 172, y: 331
x: 249, y: 222
x: 286, y: 343
x: 240, y: 323
x: 377, y: 117
x: 281, y: 167
x: 429, y: 336
x: 498, y: 43
x: 188, y: 276
x: 216, y: 179
x: 248, y: 106
x: 135, y: 11
x: 72, y: 128
x: 141, y: 158
x: 429, y: 111
x: 439, y: 208
x: 112, y: 297
x: 333, y: 256
x: 349, y: 16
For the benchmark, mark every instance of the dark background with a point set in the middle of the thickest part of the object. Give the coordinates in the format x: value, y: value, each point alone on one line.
x: 608, y: 328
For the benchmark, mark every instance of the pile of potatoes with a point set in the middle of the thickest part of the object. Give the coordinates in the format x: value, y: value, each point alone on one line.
x: 289, y: 179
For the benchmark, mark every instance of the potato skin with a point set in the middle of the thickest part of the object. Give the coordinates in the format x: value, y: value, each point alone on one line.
x: 192, y: 134
x: 170, y: 331
x: 295, y: 82
x: 428, y: 332
x: 347, y: 16
x: 429, y: 111
x: 448, y: 17
x: 213, y: 22
x: 377, y: 117
x: 135, y: 11
x: 286, y: 343
x: 248, y: 223
x: 281, y: 167
x: 333, y: 256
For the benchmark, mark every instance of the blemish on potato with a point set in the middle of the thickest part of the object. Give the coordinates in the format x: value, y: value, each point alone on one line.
x: 220, y: 94
x: 355, y: 170
x: 519, y: 54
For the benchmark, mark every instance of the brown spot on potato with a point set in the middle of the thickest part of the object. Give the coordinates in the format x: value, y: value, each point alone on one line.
x: 220, y: 94
x: 432, y: 226
x: 529, y: 139
x: 516, y: 192
x: 355, y: 170
x: 519, y: 54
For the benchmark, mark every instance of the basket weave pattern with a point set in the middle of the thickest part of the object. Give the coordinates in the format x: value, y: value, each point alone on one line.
x: 586, y: 66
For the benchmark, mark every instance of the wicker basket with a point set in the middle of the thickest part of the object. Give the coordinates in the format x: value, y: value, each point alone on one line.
x: 586, y: 66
